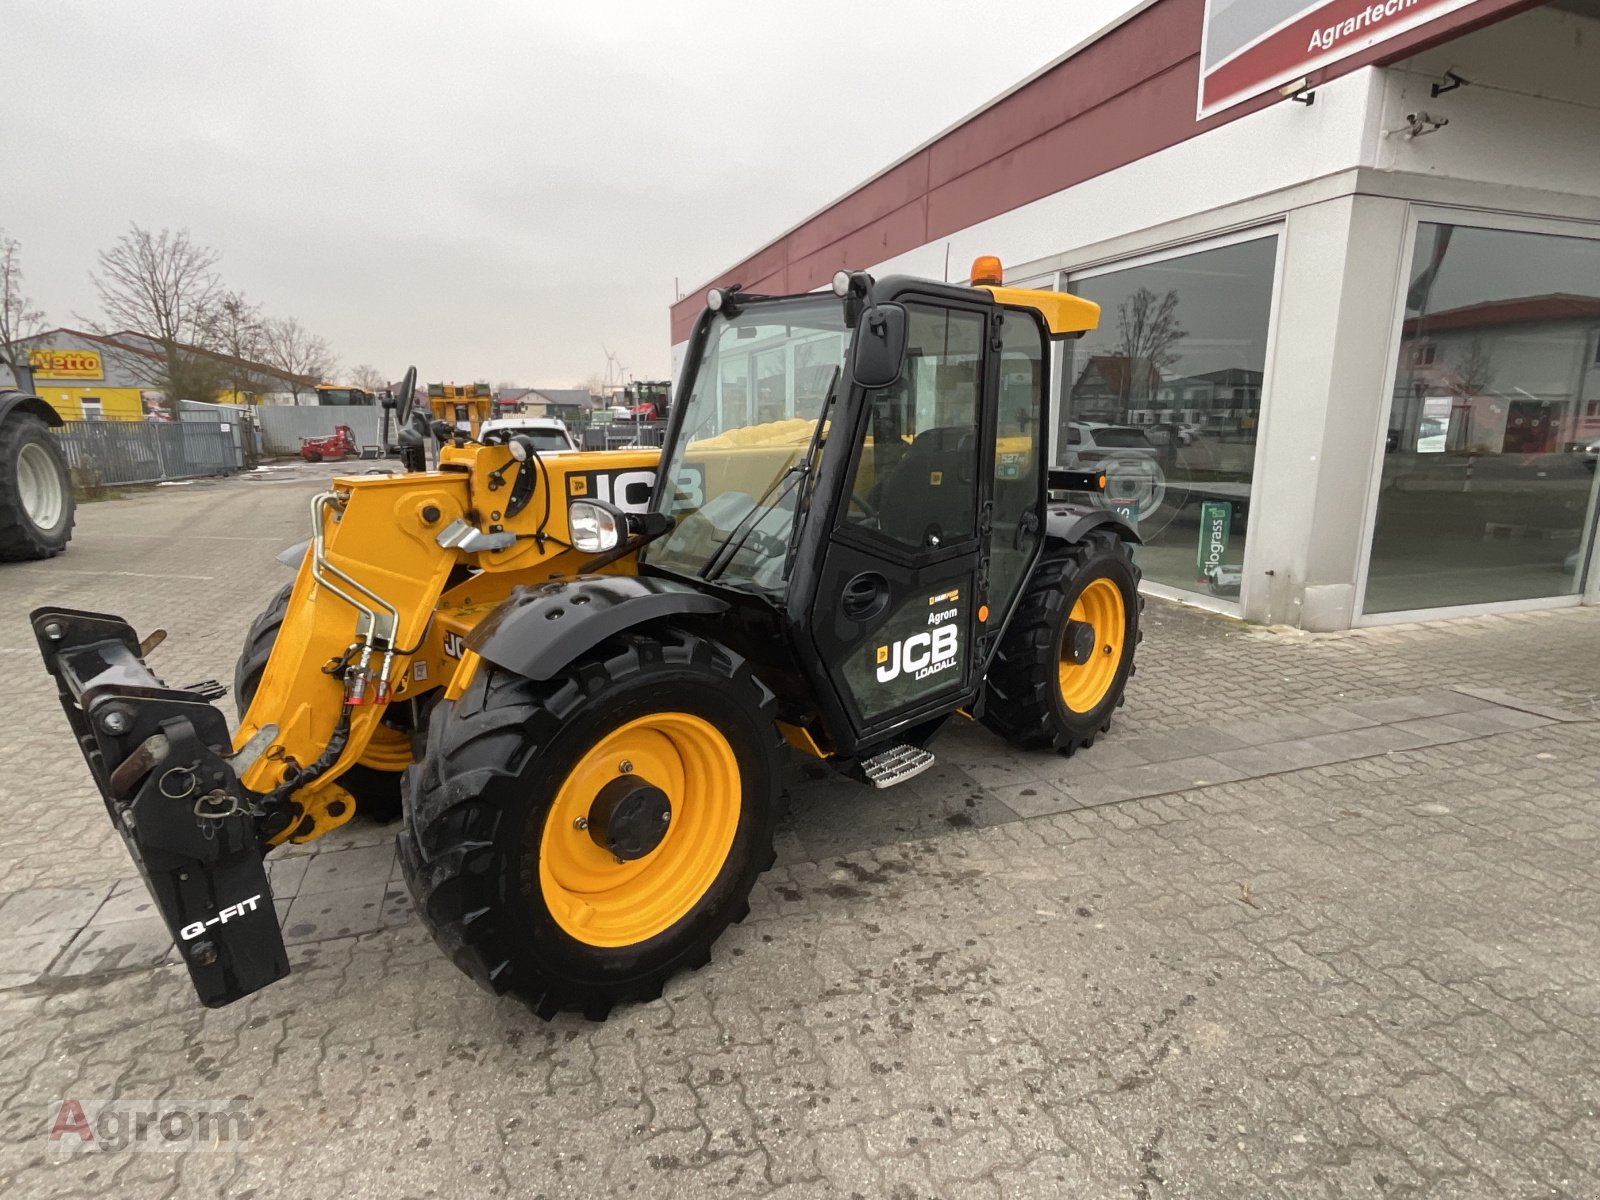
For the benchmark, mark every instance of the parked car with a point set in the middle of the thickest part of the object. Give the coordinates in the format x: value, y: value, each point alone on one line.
x: 1135, y: 481
x: 550, y: 434
x: 1172, y: 433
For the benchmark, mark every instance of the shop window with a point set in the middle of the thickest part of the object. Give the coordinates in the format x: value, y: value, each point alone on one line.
x: 1192, y: 327
x: 93, y: 410
x: 1487, y: 480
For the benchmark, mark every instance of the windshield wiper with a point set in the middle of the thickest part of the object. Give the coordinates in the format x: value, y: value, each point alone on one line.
x: 741, y: 532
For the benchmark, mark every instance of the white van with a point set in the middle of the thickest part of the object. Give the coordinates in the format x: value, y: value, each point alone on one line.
x: 550, y: 434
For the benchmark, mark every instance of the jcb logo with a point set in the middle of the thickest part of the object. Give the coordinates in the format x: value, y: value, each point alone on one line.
x: 453, y: 645
x: 921, y: 654
x: 633, y: 490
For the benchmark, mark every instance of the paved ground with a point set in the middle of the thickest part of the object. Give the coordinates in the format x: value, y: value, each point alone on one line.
x: 1319, y: 920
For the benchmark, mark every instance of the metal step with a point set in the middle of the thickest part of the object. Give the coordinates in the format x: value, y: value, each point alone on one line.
x: 895, y: 765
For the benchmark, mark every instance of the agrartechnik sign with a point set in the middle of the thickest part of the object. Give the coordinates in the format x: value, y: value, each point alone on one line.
x: 1253, y: 46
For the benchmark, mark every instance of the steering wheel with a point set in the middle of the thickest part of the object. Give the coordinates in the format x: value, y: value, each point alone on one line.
x: 867, y: 510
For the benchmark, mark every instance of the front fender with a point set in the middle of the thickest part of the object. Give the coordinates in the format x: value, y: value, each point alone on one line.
x: 1071, y: 523
x: 536, y: 631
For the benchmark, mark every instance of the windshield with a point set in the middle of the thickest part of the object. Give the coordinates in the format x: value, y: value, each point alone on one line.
x: 1121, y: 437
x: 737, y: 467
x: 542, y: 436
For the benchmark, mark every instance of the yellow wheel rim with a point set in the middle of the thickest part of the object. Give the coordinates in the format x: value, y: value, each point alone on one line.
x: 1099, y: 606
x: 389, y: 750
x: 602, y: 902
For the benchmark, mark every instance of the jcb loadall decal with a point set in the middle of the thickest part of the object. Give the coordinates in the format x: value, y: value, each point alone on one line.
x: 926, y: 653
x: 916, y: 653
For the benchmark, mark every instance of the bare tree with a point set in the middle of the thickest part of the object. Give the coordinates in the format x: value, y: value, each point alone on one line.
x: 236, y: 327
x: 368, y: 378
x: 1477, y: 367
x: 18, y: 319
x: 164, y: 287
x: 299, y: 354
x: 1147, y: 332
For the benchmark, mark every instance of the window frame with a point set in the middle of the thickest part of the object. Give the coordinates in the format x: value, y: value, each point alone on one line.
x: 1588, y: 589
x: 874, y: 541
x: 1275, y: 227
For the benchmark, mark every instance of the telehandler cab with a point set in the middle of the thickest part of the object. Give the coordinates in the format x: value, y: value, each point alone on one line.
x: 574, y: 676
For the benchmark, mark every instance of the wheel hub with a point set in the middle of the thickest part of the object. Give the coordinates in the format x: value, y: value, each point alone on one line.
x: 629, y: 817
x: 1079, y: 643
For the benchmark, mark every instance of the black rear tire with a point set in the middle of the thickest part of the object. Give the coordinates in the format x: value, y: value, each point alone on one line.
x: 377, y: 794
x: 1023, y: 700
x: 27, y: 448
x: 496, y: 761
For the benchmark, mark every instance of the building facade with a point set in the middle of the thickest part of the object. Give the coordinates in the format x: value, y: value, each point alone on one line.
x: 93, y: 377
x: 1348, y: 364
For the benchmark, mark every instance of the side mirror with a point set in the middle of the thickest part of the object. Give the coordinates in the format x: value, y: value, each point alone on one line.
x: 406, y: 398
x: 878, y: 353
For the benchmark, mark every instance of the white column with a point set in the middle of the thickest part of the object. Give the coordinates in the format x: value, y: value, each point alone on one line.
x: 1327, y: 383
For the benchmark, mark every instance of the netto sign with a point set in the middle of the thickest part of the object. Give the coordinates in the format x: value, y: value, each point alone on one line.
x: 65, y: 364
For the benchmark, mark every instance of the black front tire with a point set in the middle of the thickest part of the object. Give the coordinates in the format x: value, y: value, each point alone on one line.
x: 479, y: 801
x: 27, y: 448
x: 377, y: 794
x: 1023, y: 701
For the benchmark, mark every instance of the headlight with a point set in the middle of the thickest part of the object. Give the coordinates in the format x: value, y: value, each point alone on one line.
x: 591, y: 528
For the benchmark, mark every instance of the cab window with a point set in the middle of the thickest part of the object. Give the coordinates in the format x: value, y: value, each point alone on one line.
x: 915, y: 477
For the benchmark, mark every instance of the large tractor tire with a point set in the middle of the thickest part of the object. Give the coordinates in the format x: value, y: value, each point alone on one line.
x: 1067, y: 656
x: 36, y: 502
x: 374, y: 782
x: 578, y: 841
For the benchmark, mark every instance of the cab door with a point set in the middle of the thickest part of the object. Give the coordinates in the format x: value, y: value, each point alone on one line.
x: 895, y: 609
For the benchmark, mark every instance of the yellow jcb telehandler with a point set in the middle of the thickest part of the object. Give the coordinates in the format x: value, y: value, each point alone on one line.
x: 574, y: 675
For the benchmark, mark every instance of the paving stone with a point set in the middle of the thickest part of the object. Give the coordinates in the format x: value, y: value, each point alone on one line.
x: 1035, y: 798
x: 1276, y: 757
x: 39, y: 910
x: 1182, y: 743
x: 130, y: 900
x: 24, y: 959
x: 1336, y: 718
x: 340, y: 870
x: 1504, y: 699
x: 1484, y: 721
x: 115, y: 946
x: 318, y: 916
x: 287, y: 874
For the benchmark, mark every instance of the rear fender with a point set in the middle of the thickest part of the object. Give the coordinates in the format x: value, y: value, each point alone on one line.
x: 1069, y: 524
x: 537, y: 631
x: 23, y: 402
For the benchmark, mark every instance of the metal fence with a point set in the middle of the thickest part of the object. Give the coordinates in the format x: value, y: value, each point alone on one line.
x: 237, y: 420
x: 111, y: 453
x: 284, y: 426
x: 643, y: 434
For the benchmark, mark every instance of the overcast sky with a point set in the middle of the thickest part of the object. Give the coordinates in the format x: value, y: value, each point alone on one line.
x: 491, y: 190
